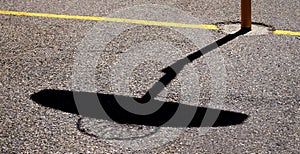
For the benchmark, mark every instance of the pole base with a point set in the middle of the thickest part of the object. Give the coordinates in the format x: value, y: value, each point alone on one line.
x: 246, y: 29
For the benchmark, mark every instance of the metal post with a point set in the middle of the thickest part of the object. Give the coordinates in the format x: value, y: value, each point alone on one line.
x: 246, y: 14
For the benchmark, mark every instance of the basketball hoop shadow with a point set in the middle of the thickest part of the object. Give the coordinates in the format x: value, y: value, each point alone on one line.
x: 64, y: 100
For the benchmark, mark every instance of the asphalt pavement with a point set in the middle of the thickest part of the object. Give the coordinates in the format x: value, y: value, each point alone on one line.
x: 255, y: 75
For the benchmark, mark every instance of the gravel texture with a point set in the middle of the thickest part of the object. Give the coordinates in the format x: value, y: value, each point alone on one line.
x: 262, y: 80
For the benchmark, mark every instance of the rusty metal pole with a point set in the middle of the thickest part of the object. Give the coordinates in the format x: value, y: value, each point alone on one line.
x: 246, y: 14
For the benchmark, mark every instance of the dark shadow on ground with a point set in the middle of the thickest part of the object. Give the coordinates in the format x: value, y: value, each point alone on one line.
x: 65, y: 100
x: 174, y: 69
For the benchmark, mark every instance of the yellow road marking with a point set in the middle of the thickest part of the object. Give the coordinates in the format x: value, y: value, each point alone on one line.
x: 121, y: 20
x: 133, y: 21
x: 285, y: 32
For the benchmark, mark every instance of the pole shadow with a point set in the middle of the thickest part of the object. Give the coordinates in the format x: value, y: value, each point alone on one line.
x: 65, y: 101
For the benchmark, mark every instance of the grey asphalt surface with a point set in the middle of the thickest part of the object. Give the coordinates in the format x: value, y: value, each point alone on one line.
x: 262, y: 78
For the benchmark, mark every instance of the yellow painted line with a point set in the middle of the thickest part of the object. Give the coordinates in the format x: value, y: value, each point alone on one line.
x: 120, y: 20
x: 133, y: 21
x: 286, y: 32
